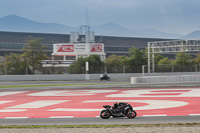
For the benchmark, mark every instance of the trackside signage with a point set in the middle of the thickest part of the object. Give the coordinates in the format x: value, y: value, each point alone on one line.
x: 96, y: 48
x: 77, y: 48
x: 65, y: 48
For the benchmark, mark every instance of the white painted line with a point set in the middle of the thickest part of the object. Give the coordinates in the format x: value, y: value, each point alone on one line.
x: 62, y: 117
x: 194, y: 114
x: 153, y: 115
x: 58, y: 93
x: 70, y: 92
x: 11, y: 93
x: 150, y: 104
x: 39, y: 104
x: 2, y: 102
x: 98, y: 116
x: 16, y: 117
x: 158, y: 93
x: 70, y: 109
x: 12, y: 110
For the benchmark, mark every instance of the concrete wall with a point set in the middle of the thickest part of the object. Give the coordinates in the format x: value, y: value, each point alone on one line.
x: 137, y: 77
x: 62, y: 77
x: 167, y: 78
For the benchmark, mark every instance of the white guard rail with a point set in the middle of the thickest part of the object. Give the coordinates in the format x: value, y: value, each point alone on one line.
x: 166, y: 79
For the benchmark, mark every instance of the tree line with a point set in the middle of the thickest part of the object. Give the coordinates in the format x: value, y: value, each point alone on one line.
x: 136, y: 59
x: 29, y: 62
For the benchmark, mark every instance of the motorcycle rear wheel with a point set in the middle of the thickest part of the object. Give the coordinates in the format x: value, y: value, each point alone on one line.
x: 105, y: 114
x: 131, y: 114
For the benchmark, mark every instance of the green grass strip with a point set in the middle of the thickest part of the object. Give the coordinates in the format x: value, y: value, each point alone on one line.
x: 50, y: 85
x: 102, y: 126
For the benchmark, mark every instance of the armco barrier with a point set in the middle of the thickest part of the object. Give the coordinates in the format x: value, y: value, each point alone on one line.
x: 166, y: 79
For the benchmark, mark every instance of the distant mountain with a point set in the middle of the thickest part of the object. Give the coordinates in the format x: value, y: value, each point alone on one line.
x: 111, y: 29
x: 21, y: 24
x: 193, y: 35
x: 117, y: 30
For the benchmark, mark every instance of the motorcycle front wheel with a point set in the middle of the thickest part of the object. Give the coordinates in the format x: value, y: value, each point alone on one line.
x: 105, y: 114
x: 131, y: 114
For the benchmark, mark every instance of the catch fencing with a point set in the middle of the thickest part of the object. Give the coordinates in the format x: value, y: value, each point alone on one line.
x: 111, y: 69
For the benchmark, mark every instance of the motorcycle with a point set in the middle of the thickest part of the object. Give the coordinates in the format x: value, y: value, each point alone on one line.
x: 104, y: 77
x: 122, y: 110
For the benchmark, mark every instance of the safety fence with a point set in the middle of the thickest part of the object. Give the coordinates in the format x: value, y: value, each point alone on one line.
x: 173, y: 68
x: 111, y: 69
x: 92, y: 70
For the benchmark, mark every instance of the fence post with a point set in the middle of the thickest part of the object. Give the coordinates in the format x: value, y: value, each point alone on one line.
x: 26, y: 70
x: 172, y: 68
x: 143, y: 71
x: 5, y: 70
x: 196, y: 68
x: 105, y: 69
x: 124, y: 69
x: 87, y: 76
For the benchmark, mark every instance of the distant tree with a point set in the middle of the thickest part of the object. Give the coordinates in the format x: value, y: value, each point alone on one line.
x: 197, y: 59
x: 164, y: 61
x: 114, y: 63
x: 95, y: 64
x: 34, y: 54
x: 78, y: 66
x: 14, y: 64
x: 183, y: 59
x: 94, y: 60
x: 2, y: 68
x: 113, y: 60
x: 137, y: 57
x: 158, y: 58
x: 124, y: 60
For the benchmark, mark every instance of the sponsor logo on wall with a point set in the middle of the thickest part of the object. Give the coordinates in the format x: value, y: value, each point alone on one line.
x: 96, y: 48
x: 65, y: 48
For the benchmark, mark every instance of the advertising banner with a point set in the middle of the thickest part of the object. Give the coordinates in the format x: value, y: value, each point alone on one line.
x: 96, y: 48
x: 81, y: 48
x: 65, y: 48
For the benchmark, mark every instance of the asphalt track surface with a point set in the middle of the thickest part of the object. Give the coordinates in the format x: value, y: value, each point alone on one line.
x: 99, y: 121
x: 88, y: 121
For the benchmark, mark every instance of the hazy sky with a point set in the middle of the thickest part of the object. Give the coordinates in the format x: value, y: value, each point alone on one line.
x: 175, y: 16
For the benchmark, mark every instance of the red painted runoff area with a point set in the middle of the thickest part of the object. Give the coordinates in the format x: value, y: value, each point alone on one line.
x: 71, y: 103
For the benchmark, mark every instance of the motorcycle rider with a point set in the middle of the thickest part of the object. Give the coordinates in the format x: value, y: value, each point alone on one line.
x: 118, y: 107
x: 105, y: 75
x: 115, y: 105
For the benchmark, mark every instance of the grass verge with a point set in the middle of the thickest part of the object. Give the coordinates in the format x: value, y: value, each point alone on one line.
x: 50, y: 85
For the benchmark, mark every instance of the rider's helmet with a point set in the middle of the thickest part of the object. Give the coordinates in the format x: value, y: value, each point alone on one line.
x: 115, y: 105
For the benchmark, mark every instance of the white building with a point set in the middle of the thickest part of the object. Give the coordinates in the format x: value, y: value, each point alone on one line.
x: 65, y: 54
x: 78, y: 50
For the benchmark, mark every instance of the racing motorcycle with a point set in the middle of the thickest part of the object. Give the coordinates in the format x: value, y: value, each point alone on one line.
x: 104, y: 77
x: 118, y: 110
